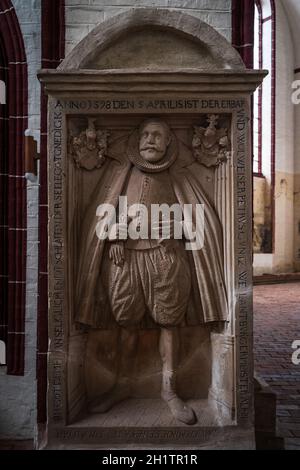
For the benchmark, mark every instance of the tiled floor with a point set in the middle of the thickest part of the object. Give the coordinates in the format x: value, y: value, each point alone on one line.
x: 276, y: 326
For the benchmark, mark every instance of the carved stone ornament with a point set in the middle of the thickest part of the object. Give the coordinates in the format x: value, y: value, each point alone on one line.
x: 211, y: 145
x: 88, y: 149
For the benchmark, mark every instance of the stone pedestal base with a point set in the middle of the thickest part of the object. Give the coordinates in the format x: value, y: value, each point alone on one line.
x: 142, y: 424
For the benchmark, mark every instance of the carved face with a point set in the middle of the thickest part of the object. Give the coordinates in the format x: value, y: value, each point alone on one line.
x: 154, y: 141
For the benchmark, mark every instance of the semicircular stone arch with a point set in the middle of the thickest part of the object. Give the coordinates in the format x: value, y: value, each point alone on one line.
x: 160, y: 39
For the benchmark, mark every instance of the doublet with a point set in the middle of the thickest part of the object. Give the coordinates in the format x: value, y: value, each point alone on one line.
x: 145, y: 189
x: 149, y: 188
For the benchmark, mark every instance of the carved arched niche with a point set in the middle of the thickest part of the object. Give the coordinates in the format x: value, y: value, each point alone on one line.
x: 153, y: 39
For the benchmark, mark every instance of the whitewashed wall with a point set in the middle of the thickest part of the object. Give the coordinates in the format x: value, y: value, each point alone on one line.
x: 83, y: 15
x: 282, y: 259
x: 292, y: 8
x: 284, y: 159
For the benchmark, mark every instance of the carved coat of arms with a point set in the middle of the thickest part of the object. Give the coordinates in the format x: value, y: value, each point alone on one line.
x: 210, y: 145
x: 88, y: 149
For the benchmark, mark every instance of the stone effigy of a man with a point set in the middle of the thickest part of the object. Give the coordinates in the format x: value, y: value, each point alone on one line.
x: 150, y: 282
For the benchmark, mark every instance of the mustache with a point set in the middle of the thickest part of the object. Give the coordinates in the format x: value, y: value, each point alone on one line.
x: 149, y: 147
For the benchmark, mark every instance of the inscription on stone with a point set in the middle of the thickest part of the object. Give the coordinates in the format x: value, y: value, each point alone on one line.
x: 57, y: 390
x: 143, y: 105
x: 242, y: 245
x: 58, y: 243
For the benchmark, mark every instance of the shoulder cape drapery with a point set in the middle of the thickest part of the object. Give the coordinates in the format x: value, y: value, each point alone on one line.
x: 207, y: 265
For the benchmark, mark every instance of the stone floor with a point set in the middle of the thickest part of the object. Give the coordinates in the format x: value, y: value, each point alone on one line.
x: 276, y: 326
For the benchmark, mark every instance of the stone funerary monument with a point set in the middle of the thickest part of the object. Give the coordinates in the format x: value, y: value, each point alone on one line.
x: 150, y: 337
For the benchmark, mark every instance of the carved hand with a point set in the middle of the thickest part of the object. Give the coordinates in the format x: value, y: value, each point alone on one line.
x: 117, y: 253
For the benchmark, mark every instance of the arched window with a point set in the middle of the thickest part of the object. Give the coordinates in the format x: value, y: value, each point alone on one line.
x: 13, y: 212
x: 264, y: 127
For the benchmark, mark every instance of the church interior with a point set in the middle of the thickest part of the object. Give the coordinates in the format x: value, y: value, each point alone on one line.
x: 39, y: 34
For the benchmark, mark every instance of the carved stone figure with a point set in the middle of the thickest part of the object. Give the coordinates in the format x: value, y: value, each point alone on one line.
x: 210, y: 144
x: 89, y: 147
x: 151, y: 283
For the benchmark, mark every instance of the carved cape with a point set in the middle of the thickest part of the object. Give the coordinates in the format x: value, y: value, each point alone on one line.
x: 208, y: 298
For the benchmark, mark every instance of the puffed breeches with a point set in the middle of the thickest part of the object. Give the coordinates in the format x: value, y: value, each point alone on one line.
x: 149, y: 282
